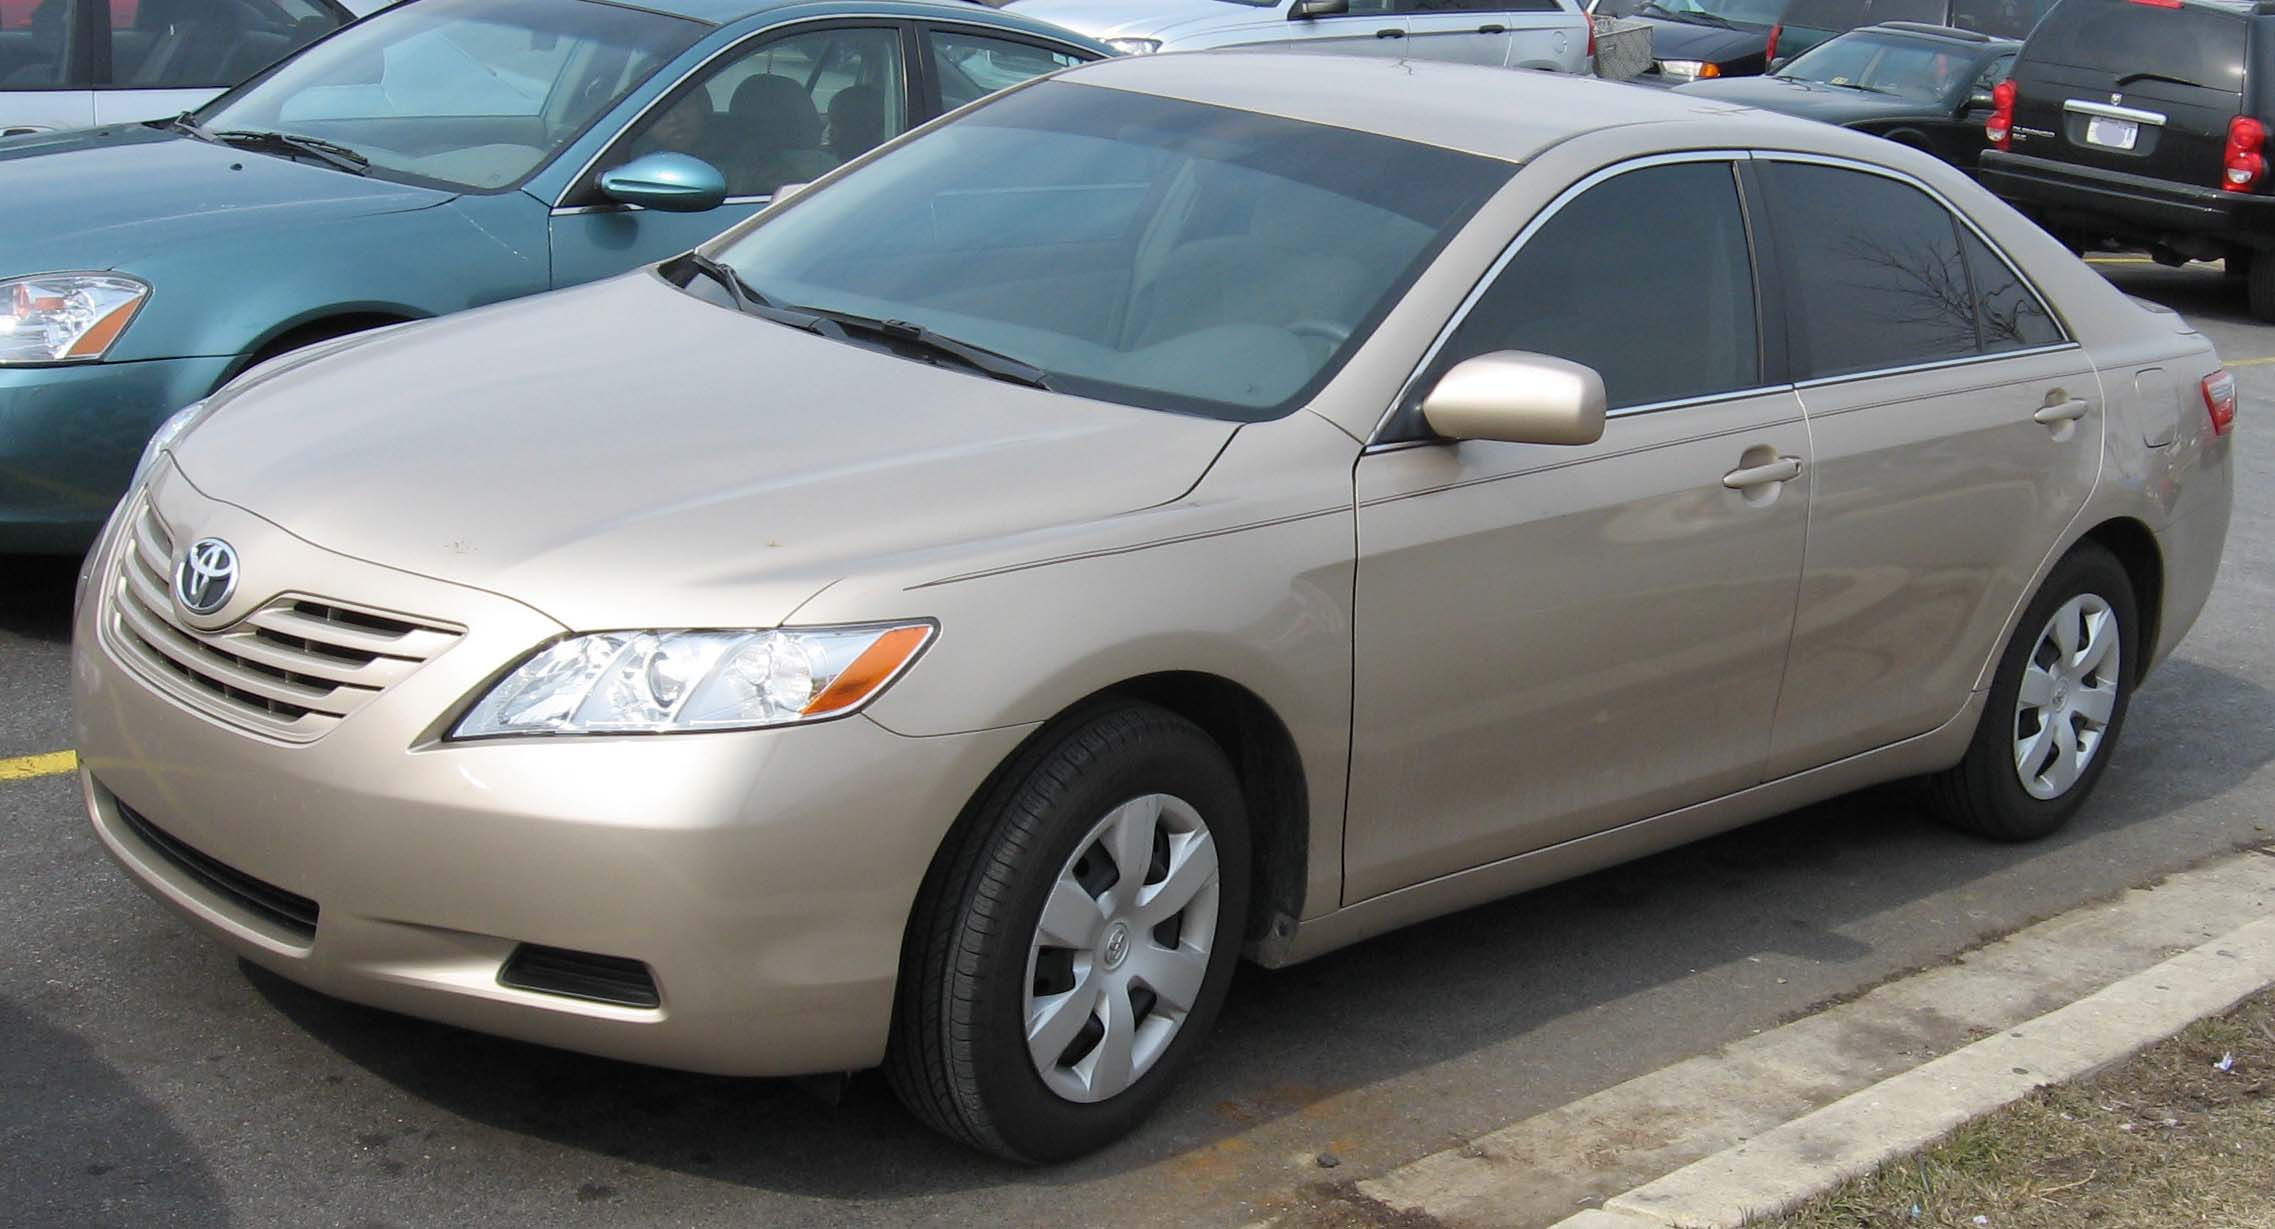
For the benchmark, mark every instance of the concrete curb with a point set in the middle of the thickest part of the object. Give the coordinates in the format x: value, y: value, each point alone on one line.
x: 1856, y: 1133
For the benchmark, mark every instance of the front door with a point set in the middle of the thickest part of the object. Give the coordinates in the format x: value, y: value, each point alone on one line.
x: 791, y: 107
x: 1552, y: 641
x: 1957, y: 432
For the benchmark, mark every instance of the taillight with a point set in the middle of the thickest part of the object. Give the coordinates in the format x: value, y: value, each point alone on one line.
x: 2243, y: 163
x: 2220, y: 400
x: 1769, y: 53
x: 2159, y: 4
x: 2000, y: 126
x: 1591, y: 38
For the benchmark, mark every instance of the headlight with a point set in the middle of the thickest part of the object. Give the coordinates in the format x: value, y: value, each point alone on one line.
x: 660, y: 682
x: 1689, y: 68
x: 1135, y: 46
x: 65, y: 317
x: 175, y: 427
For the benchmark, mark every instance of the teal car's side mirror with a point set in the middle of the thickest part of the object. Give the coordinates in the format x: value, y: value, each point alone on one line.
x: 676, y: 183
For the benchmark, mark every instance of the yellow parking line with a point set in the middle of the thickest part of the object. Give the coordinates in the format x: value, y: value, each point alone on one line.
x: 2119, y: 260
x: 2248, y: 362
x: 25, y: 767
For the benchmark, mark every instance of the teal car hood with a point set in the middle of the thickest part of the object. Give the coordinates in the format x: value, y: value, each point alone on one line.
x: 108, y: 198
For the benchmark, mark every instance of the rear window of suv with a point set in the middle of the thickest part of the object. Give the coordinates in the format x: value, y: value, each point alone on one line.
x: 2191, y: 44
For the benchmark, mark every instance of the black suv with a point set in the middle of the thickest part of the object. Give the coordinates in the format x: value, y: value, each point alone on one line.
x: 2145, y: 122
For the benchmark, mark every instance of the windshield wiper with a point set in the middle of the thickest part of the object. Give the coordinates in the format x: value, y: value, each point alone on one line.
x: 902, y: 333
x: 752, y: 302
x: 293, y: 143
x: 187, y: 123
x: 1689, y: 16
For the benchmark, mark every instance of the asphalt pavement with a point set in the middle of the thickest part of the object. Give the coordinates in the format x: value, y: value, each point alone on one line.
x: 148, y: 1078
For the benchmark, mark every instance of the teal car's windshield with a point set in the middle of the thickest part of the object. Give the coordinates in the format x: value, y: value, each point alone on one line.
x: 1126, y: 247
x: 462, y: 93
x: 1884, y: 65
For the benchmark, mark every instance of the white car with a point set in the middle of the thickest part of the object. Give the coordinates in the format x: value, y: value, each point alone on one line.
x: 78, y: 63
x: 1545, y: 34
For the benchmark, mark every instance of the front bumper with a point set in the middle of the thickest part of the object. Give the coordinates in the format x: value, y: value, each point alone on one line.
x: 764, y: 878
x: 69, y: 438
x: 2129, y: 207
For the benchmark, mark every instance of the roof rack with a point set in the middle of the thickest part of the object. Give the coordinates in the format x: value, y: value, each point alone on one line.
x: 1953, y: 32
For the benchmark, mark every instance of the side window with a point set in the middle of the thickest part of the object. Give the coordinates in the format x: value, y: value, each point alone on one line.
x: 791, y: 109
x: 1873, y: 273
x: 972, y: 66
x: 1993, y: 73
x: 1645, y: 277
x: 38, y: 42
x: 2012, y: 318
x: 179, y: 44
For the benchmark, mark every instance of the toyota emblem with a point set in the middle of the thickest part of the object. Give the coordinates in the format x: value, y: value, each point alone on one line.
x: 206, y: 577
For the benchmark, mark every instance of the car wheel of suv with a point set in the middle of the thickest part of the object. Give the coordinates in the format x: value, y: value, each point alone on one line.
x: 2259, y: 288
x: 2056, y: 705
x: 1072, y: 949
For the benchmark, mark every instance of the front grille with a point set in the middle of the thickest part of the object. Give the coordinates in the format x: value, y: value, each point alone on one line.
x: 294, y: 668
x: 287, y: 911
x: 580, y: 975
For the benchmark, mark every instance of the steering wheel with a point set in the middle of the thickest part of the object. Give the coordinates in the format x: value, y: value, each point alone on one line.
x: 1326, y: 330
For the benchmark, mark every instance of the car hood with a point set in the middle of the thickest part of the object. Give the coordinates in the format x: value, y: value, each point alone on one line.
x: 1685, y: 40
x: 623, y: 454
x: 104, y: 198
x: 1807, y: 99
x: 1162, y: 19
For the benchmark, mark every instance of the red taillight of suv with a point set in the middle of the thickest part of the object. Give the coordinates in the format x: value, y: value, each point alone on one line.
x: 2000, y: 126
x: 2220, y: 400
x: 2245, y: 165
x: 1591, y: 40
x: 1769, y: 53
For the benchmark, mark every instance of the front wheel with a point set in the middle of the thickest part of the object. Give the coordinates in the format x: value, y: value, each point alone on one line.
x: 1073, y: 949
x: 2056, y: 705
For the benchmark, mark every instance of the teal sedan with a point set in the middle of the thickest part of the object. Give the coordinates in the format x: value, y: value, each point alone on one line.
x: 438, y: 156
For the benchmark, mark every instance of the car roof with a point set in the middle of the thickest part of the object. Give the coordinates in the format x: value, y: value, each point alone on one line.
x: 727, y: 12
x: 1498, y: 112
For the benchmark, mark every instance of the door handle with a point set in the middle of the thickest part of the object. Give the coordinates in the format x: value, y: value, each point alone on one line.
x: 1492, y: 29
x: 1783, y: 469
x: 1392, y: 32
x: 2062, y: 411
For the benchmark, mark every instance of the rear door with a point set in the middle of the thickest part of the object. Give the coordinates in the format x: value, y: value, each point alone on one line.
x: 1463, y: 31
x: 2138, y: 88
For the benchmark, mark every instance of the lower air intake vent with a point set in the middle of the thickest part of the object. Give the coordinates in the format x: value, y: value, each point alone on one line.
x: 287, y: 911
x: 580, y: 975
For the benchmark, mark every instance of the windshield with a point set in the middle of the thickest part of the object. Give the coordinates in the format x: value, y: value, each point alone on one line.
x: 1886, y: 65
x: 461, y: 93
x: 1130, y: 248
x: 1741, y: 12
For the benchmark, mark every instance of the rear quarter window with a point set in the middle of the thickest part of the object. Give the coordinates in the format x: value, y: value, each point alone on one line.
x: 2199, y: 46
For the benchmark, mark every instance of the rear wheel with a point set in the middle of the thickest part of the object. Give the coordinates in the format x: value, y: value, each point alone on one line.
x: 2259, y: 288
x: 1074, y: 949
x: 2056, y: 705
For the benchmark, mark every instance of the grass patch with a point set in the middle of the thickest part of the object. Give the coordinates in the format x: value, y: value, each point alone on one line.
x: 2167, y: 1140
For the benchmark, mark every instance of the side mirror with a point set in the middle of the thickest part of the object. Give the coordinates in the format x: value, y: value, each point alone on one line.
x: 1980, y: 100
x: 1305, y: 10
x: 675, y: 183
x: 1518, y: 398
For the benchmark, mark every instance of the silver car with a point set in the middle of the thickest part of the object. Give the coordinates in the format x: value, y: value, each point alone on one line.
x: 1190, y: 506
x: 78, y: 63
x: 1544, y: 34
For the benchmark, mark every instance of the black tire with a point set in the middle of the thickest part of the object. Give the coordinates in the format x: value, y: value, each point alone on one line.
x: 958, y: 1057
x: 2259, y: 289
x: 1984, y: 793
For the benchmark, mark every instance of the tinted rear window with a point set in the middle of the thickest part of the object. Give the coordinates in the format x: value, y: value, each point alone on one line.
x: 2198, y: 46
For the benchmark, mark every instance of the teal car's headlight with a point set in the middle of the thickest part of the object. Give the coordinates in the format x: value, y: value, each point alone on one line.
x: 169, y: 431
x: 664, y: 682
x: 66, y: 317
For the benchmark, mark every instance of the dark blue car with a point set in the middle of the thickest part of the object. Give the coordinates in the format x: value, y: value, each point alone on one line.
x: 439, y: 155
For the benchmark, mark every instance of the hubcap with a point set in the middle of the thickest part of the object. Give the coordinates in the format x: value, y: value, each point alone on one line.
x: 2069, y: 693
x: 1122, y: 948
